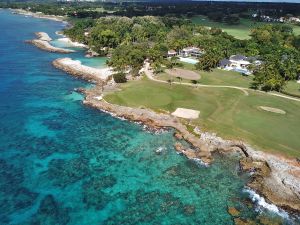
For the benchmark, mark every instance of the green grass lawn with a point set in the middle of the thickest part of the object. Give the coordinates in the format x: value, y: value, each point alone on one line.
x: 215, y: 77
x: 293, y: 88
x: 225, y: 111
x: 240, y: 31
x: 221, y: 77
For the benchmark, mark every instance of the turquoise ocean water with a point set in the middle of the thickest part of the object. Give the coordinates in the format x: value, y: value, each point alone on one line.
x: 63, y: 163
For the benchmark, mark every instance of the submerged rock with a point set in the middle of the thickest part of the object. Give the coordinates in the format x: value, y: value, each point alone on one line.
x: 178, y: 136
x: 50, y: 213
x: 93, y: 191
x: 233, y: 211
x: 189, y: 210
x: 149, y: 208
x: 239, y: 221
x: 13, y: 195
x: 65, y: 172
x: 269, y: 221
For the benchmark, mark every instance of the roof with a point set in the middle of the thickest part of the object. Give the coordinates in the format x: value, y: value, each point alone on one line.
x: 238, y: 57
x: 251, y: 58
x: 191, y: 49
x: 244, y: 62
x: 172, y: 51
x: 224, y: 62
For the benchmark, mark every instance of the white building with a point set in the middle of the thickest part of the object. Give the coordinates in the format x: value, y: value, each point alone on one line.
x: 191, y: 51
x: 172, y: 53
x: 239, y: 63
x: 294, y: 19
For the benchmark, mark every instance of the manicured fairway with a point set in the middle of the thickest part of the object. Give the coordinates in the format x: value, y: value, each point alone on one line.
x: 225, y: 111
x: 240, y: 31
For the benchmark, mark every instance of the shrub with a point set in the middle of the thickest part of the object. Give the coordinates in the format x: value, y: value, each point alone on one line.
x: 120, y: 78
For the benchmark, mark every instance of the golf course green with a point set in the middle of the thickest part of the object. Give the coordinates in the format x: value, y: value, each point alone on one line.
x: 228, y: 112
x: 240, y: 31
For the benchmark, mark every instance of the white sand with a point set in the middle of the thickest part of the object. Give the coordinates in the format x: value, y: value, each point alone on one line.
x: 99, y: 98
x: 72, y: 43
x: 39, y: 15
x: 273, y: 110
x: 76, y: 65
x: 186, y: 113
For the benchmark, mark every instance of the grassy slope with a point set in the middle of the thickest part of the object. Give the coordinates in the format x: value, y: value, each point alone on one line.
x: 240, y: 31
x: 227, y: 112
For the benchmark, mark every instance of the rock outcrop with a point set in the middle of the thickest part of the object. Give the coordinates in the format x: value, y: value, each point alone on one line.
x: 273, y: 178
x: 75, y: 68
x: 43, y: 43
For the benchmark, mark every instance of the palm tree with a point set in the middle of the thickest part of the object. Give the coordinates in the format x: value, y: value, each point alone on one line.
x: 174, y: 60
x: 194, y: 82
x: 180, y: 79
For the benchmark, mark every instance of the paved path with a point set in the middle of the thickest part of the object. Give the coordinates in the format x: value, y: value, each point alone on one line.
x: 150, y: 76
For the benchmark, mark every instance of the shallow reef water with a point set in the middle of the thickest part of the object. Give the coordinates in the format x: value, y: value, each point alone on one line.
x: 63, y: 163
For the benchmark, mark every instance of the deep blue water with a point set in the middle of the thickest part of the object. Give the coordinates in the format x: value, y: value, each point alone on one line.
x: 63, y: 163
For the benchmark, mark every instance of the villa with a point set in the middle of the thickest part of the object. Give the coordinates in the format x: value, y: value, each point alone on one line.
x: 294, y: 19
x: 186, y: 52
x: 172, y: 53
x: 191, y: 52
x: 187, y: 55
x: 239, y: 63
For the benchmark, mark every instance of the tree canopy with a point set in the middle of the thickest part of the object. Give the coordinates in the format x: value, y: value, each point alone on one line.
x: 131, y: 40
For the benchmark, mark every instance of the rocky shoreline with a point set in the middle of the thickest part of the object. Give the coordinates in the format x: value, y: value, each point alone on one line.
x: 276, y: 178
x: 43, y: 43
x: 98, y: 76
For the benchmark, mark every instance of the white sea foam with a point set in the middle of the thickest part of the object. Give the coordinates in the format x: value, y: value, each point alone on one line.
x: 59, y: 33
x: 262, y: 204
x: 156, y: 131
x: 160, y: 149
x: 200, y: 163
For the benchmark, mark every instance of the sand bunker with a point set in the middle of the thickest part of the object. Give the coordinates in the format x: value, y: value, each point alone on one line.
x: 185, y: 74
x: 273, y: 110
x: 186, y: 113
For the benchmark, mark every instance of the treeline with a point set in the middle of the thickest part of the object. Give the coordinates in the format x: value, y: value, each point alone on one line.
x: 280, y: 51
x: 228, y: 12
x: 71, y: 9
x: 129, y: 41
x: 130, y: 38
